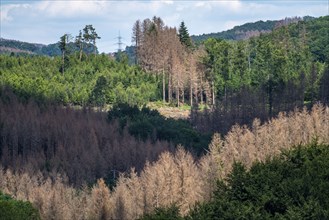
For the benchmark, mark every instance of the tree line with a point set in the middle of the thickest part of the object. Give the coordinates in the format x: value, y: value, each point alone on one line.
x: 250, y: 29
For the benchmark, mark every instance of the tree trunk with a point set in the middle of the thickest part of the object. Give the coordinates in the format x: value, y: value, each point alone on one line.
x: 163, y: 86
x: 95, y: 48
x: 201, y: 90
x: 136, y: 55
x: 191, y: 92
x: 170, y: 88
x: 270, y: 98
x: 63, y: 64
x: 177, y: 95
x: 81, y: 49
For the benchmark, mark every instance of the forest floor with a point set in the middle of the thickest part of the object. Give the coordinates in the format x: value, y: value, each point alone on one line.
x: 169, y: 111
x: 174, y: 112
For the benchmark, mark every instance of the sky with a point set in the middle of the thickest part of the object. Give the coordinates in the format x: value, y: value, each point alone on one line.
x: 44, y: 21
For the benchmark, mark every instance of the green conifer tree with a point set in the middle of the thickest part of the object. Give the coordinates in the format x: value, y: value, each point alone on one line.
x: 184, y: 36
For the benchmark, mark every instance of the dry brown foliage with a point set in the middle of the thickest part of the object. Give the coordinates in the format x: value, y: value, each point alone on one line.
x: 172, y: 179
x: 54, y: 199
x: 262, y: 141
x: 80, y: 143
x: 175, y: 178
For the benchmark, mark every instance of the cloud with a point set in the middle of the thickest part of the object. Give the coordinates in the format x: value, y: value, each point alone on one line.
x: 227, y: 6
x: 168, y: 2
x: 231, y: 6
x: 7, y: 10
x: 203, y: 5
x: 70, y: 9
x: 45, y: 21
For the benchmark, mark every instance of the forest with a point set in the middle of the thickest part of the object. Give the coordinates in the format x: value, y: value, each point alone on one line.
x: 81, y: 136
x: 249, y: 30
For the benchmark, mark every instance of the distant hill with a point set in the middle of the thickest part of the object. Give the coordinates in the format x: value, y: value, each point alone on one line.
x: 18, y: 47
x: 8, y: 46
x: 248, y: 30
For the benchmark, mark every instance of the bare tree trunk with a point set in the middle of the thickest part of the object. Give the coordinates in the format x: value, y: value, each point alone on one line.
x: 177, y: 95
x: 195, y: 94
x: 191, y: 89
x: 163, y: 86
x: 170, y: 88
x: 201, y: 89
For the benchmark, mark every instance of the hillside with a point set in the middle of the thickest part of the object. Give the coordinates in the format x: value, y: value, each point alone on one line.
x: 249, y: 29
x: 243, y: 101
x: 8, y: 46
x: 296, y: 58
x: 244, y: 31
x: 176, y: 178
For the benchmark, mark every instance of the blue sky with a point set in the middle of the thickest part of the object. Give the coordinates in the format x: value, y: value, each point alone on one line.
x: 44, y: 21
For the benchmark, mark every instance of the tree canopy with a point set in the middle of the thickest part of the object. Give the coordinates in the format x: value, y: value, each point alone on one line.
x: 184, y: 36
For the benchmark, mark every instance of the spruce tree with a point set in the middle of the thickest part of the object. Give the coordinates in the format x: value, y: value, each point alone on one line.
x: 184, y: 36
x: 63, y: 46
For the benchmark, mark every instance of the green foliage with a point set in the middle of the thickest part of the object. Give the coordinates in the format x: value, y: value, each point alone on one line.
x: 324, y: 88
x: 318, y: 40
x: 89, y: 36
x: 168, y: 213
x: 96, y: 81
x: 184, y: 36
x: 289, y: 62
x: 234, y: 33
x: 241, y: 31
x: 22, y: 48
x: 146, y: 123
x: 98, y: 95
x: 286, y: 65
x: 11, y: 209
x: 292, y: 186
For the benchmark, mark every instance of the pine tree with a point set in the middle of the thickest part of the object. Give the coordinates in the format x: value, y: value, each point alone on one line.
x: 94, y: 37
x: 90, y: 36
